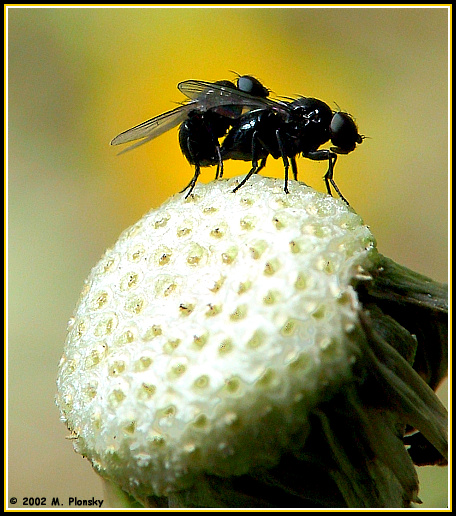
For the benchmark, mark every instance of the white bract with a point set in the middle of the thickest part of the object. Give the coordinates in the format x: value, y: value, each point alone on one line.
x: 203, y: 339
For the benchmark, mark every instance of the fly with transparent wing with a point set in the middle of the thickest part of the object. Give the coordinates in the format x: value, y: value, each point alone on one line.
x: 203, y: 120
x: 253, y: 127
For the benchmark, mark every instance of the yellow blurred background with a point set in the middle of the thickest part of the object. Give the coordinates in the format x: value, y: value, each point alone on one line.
x: 79, y: 76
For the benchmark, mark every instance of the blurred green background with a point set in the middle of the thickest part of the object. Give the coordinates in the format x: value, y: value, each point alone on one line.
x: 79, y: 76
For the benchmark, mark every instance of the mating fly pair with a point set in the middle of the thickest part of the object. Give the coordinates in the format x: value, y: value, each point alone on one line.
x: 254, y: 127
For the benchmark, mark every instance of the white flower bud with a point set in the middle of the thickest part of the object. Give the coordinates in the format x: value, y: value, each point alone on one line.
x: 208, y: 334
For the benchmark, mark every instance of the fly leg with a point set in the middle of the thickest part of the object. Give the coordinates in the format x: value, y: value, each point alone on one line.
x: 329, y: 179
x: 193, y: 161
x: 331, y: 157
x: 219, y: 173
x: 286, y: 162
x: 192, y: 183
x: 294, y: 168
x: 262, y: 165
x: 255, y: 167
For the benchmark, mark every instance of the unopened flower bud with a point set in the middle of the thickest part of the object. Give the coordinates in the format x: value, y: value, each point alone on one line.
x: 248, y: 350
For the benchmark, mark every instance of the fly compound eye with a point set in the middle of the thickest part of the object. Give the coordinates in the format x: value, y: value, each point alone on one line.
x: 344, y: 133
x: 248, y: 84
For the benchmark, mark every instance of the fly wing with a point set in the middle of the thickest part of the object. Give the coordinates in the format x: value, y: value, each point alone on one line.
x: 154, y: 127
x: 203, y: 96
x: 209, y: 95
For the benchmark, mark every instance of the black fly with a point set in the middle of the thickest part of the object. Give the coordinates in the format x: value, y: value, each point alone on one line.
x: 203, y: 120
x: 255, y: 127
x: 298, y: 127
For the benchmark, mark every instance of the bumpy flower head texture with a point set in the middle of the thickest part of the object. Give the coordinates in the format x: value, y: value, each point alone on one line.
x: 204, y: 339
x: 203, y: 336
